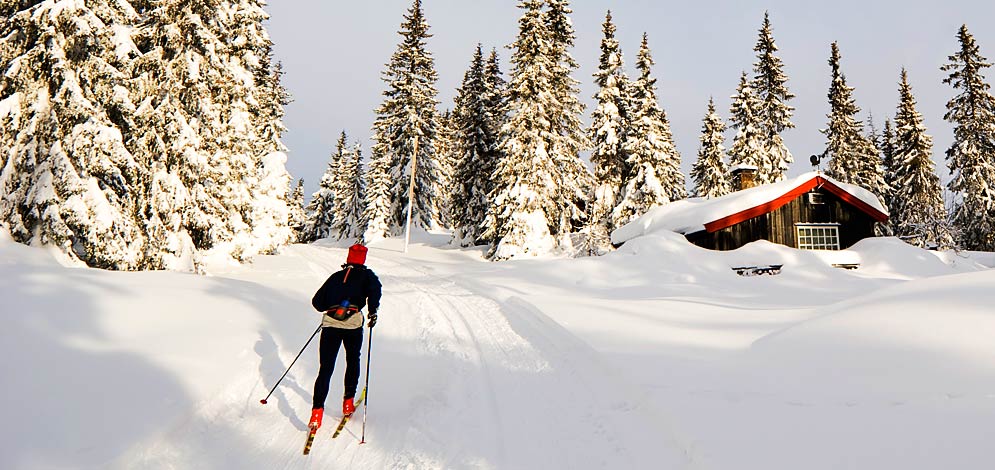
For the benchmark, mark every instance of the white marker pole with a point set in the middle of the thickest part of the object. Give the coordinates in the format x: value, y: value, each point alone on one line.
x: 411, y: 195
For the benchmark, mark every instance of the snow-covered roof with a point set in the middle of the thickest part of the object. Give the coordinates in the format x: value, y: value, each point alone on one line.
x: 697, y: 214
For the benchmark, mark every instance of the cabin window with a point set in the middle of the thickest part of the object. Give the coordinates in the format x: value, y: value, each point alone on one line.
x: 816, y: 198
x: 818, y: 236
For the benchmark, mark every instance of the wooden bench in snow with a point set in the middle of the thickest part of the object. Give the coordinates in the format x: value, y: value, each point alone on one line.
x: 770, y: 269
x: 846, y: 265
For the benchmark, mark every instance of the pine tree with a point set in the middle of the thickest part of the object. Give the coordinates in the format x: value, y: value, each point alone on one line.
x: 66, y: 177
x: 478, y: 109
x: 297, y: 218
x: 971, y: 156
x: 526, y: 198
x: 654, y: 177
x: 321, y: 222
x: 748, y: 147
x: 920, y: 217
x: 407, y: 112
x: 709, y: 171
x: 853, y: 158
x: 350, y: 194
x: 569, y: 136
x: 608, y: 137
x: 774, y: 113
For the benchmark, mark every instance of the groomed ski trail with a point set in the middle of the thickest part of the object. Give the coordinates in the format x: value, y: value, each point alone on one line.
x: 458, y: 380
x: 495, y: 385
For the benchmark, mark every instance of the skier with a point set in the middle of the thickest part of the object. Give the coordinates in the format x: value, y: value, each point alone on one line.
x: 341, y: 298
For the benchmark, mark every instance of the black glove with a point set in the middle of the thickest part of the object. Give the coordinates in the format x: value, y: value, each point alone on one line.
x: 373, y: 319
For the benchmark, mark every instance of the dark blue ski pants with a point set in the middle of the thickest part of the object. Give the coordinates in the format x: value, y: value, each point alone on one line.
x: 331, y: 338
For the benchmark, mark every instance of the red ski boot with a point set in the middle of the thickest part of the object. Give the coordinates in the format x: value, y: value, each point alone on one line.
x: 316, y: 415
x: 348, y: 407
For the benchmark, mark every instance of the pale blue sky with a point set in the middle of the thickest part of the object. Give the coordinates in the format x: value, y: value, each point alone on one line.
x: 334, y: 51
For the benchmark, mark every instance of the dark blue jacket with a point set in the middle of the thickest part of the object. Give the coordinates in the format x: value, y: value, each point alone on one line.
x: 361, y: 286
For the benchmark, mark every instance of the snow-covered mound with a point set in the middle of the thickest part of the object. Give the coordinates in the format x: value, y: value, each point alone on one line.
x: 100, y: 368
x: 883, y: 344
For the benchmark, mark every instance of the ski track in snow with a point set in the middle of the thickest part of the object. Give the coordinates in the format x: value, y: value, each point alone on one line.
x: 458, y: 380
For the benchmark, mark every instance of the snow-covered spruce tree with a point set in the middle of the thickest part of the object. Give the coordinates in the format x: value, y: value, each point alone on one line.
x: 445, y: 159
x: 887, y: 145
x: 881, y: 229
x: 408, y: 111
x: 919, y: 216
x: 297, y: 217
x: 213, y: 183
x: 475, y: 146
x: 609, y: 124
x: 525, y: 210
x: 770, y: 84
x: 971, y: 156
x: 569, y: 136
x: 496, y: 101
x: 709, y: 171
x: 264, y: 102
x: 748, y: 145
x: 853, y: 158
x: 377, y: 209
x: 350, y: 195
x: 654, y: 164
x: 322, y: 208
x: 497, y: 112
x: 66, y: 177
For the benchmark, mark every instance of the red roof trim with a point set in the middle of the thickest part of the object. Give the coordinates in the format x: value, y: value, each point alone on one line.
x: 803, y: 188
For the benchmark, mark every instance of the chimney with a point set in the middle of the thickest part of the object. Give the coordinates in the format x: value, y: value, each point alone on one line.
x: 743, y: 177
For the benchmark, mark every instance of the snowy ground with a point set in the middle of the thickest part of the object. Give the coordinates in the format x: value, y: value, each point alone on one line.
x: 656, y: 356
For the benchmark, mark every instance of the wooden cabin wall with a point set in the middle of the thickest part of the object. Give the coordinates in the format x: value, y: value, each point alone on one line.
x: 779, y: 226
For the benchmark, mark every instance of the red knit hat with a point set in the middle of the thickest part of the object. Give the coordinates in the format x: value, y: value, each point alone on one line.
x: 357, y: 254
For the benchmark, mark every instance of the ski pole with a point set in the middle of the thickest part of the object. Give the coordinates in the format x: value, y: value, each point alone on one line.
x: 366, y: 388
x: 263, y: 401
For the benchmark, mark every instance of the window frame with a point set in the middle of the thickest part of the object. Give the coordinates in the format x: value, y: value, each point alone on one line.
x: 819, y: 236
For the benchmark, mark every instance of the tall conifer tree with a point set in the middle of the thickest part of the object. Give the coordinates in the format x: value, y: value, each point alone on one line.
x: 322, y: 210
x: 186, y: 109
x: 748, y: 146
x: 853, y: 158
x: 407, y: 112
x: 971, y: 156
x: 709, y: 171
x: 920, y: 217
x: 770, y: 84
x: 887, y: 146
x: 350, y: 194
x: 446, y: 155
x: 475, y: 146
x: 297, y: 218
x: 610, y: 122
x: 66, y: 177
x: 654, y: 165
x: 568, y: 134
x: 526, y: 199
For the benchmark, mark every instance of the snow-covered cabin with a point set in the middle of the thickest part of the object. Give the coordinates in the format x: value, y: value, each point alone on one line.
x: 811, y: 211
